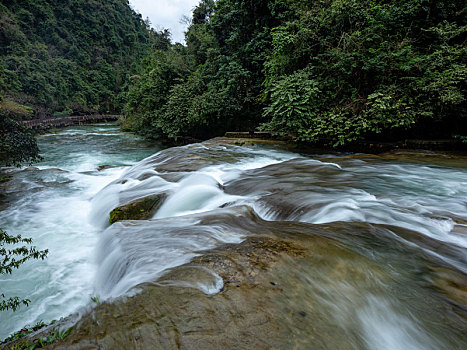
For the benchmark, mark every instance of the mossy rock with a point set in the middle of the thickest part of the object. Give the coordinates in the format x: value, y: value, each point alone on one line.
x: 5, y: 178
x: 140, y: 209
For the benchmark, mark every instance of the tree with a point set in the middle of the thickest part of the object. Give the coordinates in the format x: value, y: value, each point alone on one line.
x: 62, y: 55
x: 17, y: 145
x: 326, y: 71
x: 13, y: 258
x: 383, y: 69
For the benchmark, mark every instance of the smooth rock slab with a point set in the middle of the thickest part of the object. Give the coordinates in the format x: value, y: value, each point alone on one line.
x: 289, y: 286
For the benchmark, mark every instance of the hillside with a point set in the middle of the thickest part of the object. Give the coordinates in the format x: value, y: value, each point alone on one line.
x: 71, y: 56
x: 322, y: 71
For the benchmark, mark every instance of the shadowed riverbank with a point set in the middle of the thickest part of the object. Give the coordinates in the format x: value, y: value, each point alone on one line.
x: 46, y: 124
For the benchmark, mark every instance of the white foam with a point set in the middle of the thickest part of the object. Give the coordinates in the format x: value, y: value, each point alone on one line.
x: 385, y: 329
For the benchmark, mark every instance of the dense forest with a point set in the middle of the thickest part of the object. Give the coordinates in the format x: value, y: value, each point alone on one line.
x: 66, y: 57
x: 327, y: 70
x: 338, y: 70
x: 71, y: 56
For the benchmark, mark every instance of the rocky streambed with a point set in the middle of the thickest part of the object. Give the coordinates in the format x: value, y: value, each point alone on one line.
x: 288, y: 285
x: 245, y: 245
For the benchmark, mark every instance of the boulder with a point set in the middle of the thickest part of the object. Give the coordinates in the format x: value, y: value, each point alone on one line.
x: 140, y: 209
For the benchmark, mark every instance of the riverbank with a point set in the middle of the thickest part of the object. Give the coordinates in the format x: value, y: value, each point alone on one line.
x: 41, y: 125
x: 361, y: 146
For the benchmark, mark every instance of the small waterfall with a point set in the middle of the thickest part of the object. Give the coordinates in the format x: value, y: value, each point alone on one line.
x: 134, y: 252
x: 195, y: 193
x: 385, y: 329
x: 387, y: 237
x: 278, y: 186
x: 52, y: 203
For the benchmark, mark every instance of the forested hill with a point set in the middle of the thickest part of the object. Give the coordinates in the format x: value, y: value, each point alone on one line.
x: 71, y: 56
x: 333, y: 70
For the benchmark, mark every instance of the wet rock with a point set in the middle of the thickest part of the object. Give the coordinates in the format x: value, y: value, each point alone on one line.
x: 139, y: 209
x: 200, y: 155
x: 165, y: 316
x: 319, y: 287
x: 450, y: 283
x: 104, y: 167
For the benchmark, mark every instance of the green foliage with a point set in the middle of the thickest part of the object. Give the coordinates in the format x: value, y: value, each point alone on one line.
x: 24, y: 332
x: 378, y: 66
x: 149, y: 92
x: 72, y: 55
x: 462, y: 138
x: 11, y: 109
x: 295, y: 105
x: 17, y: 144
x: 13, y: 258
x: 338, y: 71
x: 64, y: 113
x: 54, y: 336
x: 211, y: 85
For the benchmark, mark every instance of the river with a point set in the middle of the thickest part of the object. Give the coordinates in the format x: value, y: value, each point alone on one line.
x: 50, y: 203
x: 379, y: 242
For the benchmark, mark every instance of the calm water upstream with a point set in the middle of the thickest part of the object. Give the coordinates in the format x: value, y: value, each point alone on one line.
x: 388, y: 268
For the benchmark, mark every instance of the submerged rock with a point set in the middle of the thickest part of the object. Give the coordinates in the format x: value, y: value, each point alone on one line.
x: 451, y: 283
x: 139, y: 209
x: 105, y: 167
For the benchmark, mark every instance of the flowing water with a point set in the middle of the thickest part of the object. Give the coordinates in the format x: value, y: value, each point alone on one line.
x: 50, y: 203
x: 388, y: 264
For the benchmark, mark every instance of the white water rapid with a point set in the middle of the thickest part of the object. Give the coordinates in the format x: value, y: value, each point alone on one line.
x: 51, y: 204
x: 409, y: 202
